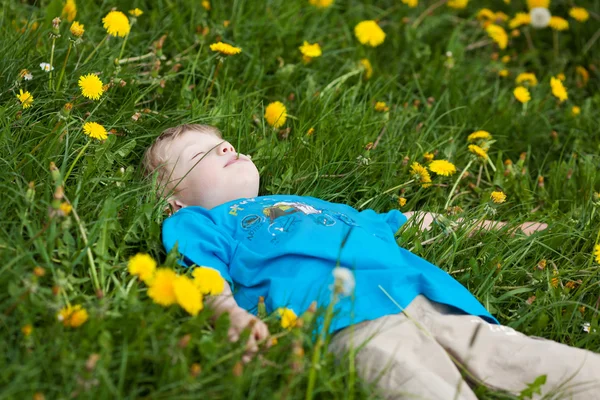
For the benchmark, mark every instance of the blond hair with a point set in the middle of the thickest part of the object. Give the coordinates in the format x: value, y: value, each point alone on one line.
x: 154, y: 159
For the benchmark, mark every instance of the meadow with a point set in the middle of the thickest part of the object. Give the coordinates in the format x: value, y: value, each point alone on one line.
x: 470, y: 109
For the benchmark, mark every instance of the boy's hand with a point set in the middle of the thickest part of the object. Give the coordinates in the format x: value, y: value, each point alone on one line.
x: 241, y: 319
x: 529, y: 228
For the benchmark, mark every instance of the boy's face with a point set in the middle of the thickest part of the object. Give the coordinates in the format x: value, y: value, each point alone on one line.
x: 213, y: 173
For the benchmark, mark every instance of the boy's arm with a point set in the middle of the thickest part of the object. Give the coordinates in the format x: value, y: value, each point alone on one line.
x: 426, y: 219
x: 240, y: 319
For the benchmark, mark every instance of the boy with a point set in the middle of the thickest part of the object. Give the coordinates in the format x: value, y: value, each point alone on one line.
x: 284, y: 248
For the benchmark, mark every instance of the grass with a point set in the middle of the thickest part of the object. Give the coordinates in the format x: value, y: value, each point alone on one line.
x: 131, y: 347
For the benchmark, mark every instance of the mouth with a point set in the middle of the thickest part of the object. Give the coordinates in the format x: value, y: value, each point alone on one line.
x: 234, y: 160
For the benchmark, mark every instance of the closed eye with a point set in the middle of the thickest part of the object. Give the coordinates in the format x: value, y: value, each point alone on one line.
x: 197, y: 155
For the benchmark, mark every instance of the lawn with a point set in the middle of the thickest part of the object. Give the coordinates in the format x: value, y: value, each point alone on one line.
x: 79, y: 106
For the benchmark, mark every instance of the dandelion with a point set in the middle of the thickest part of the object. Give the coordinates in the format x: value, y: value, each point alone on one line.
x: 478, y: 151
x: 46, y: 67
x: 344, y: 282
x: 91, y: 86
x: 561, y: 76
x: 503, y: 73
x: 70, y: 10
x: 421, y: 173
x: 505, y: 59
x: 208, y: 280
x: 575, y: 111
x: 458, y: 4
x: 225, y: 49
x: 27, y: 329
x: 585, y: 75
x: 522, y: 94
x: 136, y: 12
x: 116, y: 24
x: 25, y: 74
x: 531, y: 4
x: 498, y: 197
x: 276, y: 114
x: 442, y: 167
x: 401, y: 201
x: 25, y: 98
x: 597, y: 253
x: 498, y: 35
x: 526, y: 77
x: 485, y: 14
x: 559, y: 24
x: 519, y: 19
x: 188, y: 295
x: 39, y: 271
x: 411, y: 3
x: 288, y: 317
x: 500, y: 17
x: 368, y: 32
x: 73, y: 316
x: 579, y: 13
x: 162, y: 290
x: 366, y: 64
x: 65, y: 208
x: 310, y: 51
x: 558, y: 89
x: 95, y: 130
x: 540, y: 17
x: 380, y: 106
x: 310, y: 131
x: 321, y: 3
x: 428, y: 156
x: 142, y: 265
x: 77, y: 29
x: 554, y: 282
x: 479, y: 135
x: 206, y: 5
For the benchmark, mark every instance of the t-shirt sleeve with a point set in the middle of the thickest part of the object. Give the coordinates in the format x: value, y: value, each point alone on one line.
x: 395, y: 219
x: 199, y: 240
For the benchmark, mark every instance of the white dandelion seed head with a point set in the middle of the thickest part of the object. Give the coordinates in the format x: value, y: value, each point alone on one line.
x: 46, y: 67
x: 345, y: 279
x: 540, y: 17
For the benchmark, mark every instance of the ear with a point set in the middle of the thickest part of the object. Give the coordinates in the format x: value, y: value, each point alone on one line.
x: 176, y: 204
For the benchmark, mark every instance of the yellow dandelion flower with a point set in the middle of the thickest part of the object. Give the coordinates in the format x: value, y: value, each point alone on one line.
x: 162, y: 290
x: 25, y: 98
x: 73, y: 316
x: 522, y: 94
x: 77, y: 29
x: 597, y: 253
x: 27, y: 329
x: 411, y: 3
x: 478, y: 151
x: 558, y: 89
x: 498, y: 35
x: 310, y: 51
x: 91, y: 86
x: 503, y: 73
x: 458, y: 4
x: 585, y: 75
x: 505, y: 59
x: 485, y: 14
x: 116, y: 24
x: 136, y: 12
x: 188, y: 295
x: 142, y: 265
x: 321, y: 3
x: 500, y: 17
x: 538, y: 3
x: 310, y: 131
x: 65, y: 208
x: 527, y: 78
x: 554, y: 282
x: 559, y: 24
x: 208, y: 280
x: 401, y: 201
x: 288, y: 317
x: 561, y: 76
x: 575, y: 110
x: 380, y: 106
x: 442, y: 167
x: 70, y: 10
x: 206, y: 5
x: 479, y: 135
x: 421, y: 173
x: 366, y: 64
x: 95, y: 130
x: 428, y: 156
x: 369, y: 33
x: 520, y: 18
x: 225, y: 49
x: 498, y: 197
x: 579, y: 13
x: 276, y: 114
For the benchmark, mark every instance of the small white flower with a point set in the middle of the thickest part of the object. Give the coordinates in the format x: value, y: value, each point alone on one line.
x: 586, y: 327
x: 28, y: 76
x: 344, y: 278
x: 448, y: 54
x: 46, y: 67
x: 540, y: 17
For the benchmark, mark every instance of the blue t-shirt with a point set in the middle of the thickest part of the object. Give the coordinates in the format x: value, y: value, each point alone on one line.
x: 284, y: 248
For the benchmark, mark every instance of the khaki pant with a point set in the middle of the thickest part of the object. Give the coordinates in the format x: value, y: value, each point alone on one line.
x: 421, y: 352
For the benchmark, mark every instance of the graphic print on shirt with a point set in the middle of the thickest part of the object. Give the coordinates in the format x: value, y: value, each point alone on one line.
x: 284, y: 215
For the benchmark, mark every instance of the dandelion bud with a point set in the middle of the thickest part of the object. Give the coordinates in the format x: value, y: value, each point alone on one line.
x: 55, y: 290
x: 184, y: 341
x: 238, y: 369
x: 56, y: 24
x: 54, y: 172
x: 59, y: 193
x: 39, y: 396
x: 262, y: 309
x: 195, y: 370
x: 541, y: 181
x: 554, y: 135
x: 90, y: 364
x: 541, y: 265
x: 39, y: 271
x: 523, y: 156
x: 30, y: 194
x: 99, y: 293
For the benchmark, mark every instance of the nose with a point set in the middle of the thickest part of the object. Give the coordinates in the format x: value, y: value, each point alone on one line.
x: 225, y: 149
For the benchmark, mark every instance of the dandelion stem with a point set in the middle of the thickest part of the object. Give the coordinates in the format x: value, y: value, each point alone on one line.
x: 429, y: 10
x: 529, y: 41
x: 122, y: 49
x: 51, y: 61
x: 212, y: 83
x: 62, y: 72
x: 94, y: 51
x: 456, y: 184
x: 76, y: 159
